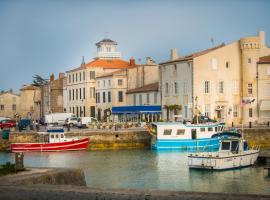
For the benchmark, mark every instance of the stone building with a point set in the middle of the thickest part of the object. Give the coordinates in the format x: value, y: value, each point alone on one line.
x: 81, y: 81
x: 9, y: 104
x: 219, y: 82
x: 263, y: 82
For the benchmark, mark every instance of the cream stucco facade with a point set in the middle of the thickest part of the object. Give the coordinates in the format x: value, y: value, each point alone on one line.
x: 9, y: 104
x: 223, y: 80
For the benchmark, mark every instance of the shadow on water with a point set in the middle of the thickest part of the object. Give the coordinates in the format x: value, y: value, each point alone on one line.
x: 145, y: 169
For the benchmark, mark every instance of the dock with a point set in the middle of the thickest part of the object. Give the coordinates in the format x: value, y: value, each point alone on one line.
x: 264, y: 157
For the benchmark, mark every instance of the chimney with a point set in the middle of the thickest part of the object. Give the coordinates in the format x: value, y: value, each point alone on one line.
x: 61, y: 75
x: 52, y: 77
x: 10, y: 90
x: 262, y: 39
x: 149, y: 61
x: 174, y: 54
x: 132, y: 62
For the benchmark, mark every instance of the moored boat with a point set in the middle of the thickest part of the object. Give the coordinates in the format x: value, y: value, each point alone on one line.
x: 56, y: 142
x: 233, y: 153
x: 187, y: 137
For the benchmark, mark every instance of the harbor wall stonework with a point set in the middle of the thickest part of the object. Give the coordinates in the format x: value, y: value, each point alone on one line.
x: 258, y: 136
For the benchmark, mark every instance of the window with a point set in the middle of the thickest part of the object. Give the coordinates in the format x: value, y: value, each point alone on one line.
x: 202, y: 129
x: 56, y: 136
x: 250, y: 114
x: 235, y: 87
x: 207, y: 110
x: 147, y: 98
x: 225, y: 145
x: 98, y: 97
x: 120, y: 82
x: 140, y: 99
x: 104, y: 83
x: 221, y: 87
x: 109, y: 82
x: 186, y: 111
x: 76, y: 94
x: 52, y: 136
x: 108, y: 49
x: 84, y: 76
x: 73, y: 94
x: 92, y: 75
x: 83, y: 93
x: 227, y: 64
x: 167, y: 132
x: 249, y: 60
x: 175, y: 88
x: 250, y: 88
x: 210, y: 129
x: 175, y: 67
x: 92, y: 92
x: 180, y: 132
x: 73, y: 78
x: 80, y: 76
x: 14, y: 107
x: 76, y: 77
x: 80, y: 93
x: 104, y: 97
x: 185, y: 87
x: 235, y: 111
x: 69, y: 78
x: 155, y: 97
x: 69, y: 94
x: 167, y: 88
x: 109, y: 97
x: 134, y: 99
x: 120, y: 96
x: 206, y: 87
x: 98, y: 83
x: 2, y: 107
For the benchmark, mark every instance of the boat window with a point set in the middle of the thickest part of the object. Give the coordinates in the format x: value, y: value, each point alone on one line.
x: 167, y: 132
x: 154, y: 129
x: 216, y: 129
x: 62, y: 136
x: 52, y: 136
x: 225, y: 146
x: 210, y: 129
x: 235, y: 146
x: 219, y: 128
x: 202, y: 129
x: 245, y: 146
x: 180, y: 132
x: 56, y: 136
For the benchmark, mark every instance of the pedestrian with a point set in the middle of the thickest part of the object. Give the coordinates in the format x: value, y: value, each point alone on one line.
x: 37, y: 125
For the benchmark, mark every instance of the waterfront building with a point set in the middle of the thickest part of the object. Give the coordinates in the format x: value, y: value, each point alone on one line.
x: 81, y: 81
x: 263, y: 82
x: 9, y: 104
x: 219, y: 82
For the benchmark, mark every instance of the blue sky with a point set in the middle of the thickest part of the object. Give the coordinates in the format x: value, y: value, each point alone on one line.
x: 42, y: 37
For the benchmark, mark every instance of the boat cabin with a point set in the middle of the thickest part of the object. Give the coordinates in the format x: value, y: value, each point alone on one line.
x: 235, y: 145
x: 185, y: 131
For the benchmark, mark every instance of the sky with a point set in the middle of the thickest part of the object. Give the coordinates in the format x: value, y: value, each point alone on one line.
x: 51, y: 36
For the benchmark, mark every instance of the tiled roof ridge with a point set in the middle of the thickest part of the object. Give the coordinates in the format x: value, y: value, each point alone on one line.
x: 145, y: 88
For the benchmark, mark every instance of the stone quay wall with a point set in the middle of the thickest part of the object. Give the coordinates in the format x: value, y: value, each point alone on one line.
x: 258, y: 136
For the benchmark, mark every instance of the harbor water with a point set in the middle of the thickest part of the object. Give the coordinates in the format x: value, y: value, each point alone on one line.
x: 145, y: 169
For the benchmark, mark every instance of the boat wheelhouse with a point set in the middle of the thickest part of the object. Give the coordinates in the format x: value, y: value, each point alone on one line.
x: 188, y: 137
x: 233, y: 153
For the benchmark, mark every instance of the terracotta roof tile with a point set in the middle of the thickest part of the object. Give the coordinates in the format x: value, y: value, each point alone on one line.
x: 153, y: 87
x: 109, y: 64
x: 194, y: 55
x: 264, y: 60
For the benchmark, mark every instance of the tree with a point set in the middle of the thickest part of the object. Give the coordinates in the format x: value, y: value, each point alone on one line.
x: 39, y: 81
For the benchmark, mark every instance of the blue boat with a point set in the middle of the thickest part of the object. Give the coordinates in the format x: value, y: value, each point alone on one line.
x: 186, y: 137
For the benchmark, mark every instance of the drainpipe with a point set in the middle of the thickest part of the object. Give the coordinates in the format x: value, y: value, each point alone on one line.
x: 257, y: 79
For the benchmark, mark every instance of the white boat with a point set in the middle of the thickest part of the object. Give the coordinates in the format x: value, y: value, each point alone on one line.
x: 187, y: 137
x: 233, y: 153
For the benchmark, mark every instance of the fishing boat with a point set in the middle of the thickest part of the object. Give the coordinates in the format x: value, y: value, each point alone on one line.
x: 233, y: 153
x: 185, y: 136
x: 56, y: 141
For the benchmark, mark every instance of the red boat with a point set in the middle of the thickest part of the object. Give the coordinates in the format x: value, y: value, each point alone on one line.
x: 57, y: 142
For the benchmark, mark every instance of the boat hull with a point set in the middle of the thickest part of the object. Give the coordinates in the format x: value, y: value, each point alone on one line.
x: 205, y: 144
x: 217, y: 162
x: 74, y: 145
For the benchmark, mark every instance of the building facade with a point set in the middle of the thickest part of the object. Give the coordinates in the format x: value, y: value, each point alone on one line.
x: 219, y: 82
x: 81, y: 81
x: 263, y: 82
x: 9, y: 104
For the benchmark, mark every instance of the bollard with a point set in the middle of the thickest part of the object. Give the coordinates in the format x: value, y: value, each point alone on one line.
x: 250, y: 125
x: 19, y: 161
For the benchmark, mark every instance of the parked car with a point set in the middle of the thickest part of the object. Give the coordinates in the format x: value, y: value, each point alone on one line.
x: 25, y: 124
x: 84, y: 121
x: 7, y: 123
x: 72, y: 121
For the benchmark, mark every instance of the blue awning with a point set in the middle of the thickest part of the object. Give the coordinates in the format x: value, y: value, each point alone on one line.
x: 136, y: 110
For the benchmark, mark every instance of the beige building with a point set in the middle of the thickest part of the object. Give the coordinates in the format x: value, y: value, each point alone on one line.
x: 9, y: 104
x: 263, y: 81
x: 219, y: 82
x: 81, y: 81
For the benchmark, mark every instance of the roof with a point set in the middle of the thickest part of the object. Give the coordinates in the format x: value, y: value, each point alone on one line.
x: 264, y: 60
x: 147, y: 88
x: 118, y: 72
x: 28, y: 87
x: 8, y: 92
x: 106, y: 40
x: 108, y: 63
x: 194, y: 55
x: 135, y: 109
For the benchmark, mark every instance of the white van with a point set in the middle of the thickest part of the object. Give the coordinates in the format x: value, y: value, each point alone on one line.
x: 57, y: 118
x: 84, y: 121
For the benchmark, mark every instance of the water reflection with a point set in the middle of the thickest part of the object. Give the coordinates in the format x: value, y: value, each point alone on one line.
x: 144, y: 169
